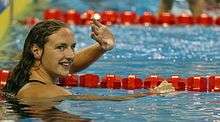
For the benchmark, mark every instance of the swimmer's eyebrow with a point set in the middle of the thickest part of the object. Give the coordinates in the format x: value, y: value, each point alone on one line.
x: 65, y: 44
x: 61, y: 44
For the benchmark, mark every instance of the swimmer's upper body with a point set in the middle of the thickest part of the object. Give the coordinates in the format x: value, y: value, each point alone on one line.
x: 49, y: 52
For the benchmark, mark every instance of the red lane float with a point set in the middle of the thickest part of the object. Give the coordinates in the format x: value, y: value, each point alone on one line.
x: 128, y: 18
x: 197, y: 83
x: 217, y: 21
x: 53, y: 14
x: 214, y: 83
x: 109, y: 17
x: 4, y: 74
x: 166, y: 19
x: 72, y: 17
x: 177, y: 82
x: 111, y: 81
x: 89, y: 80
x: 86, y: 17
x: 147, y: 19
x: 29, y: 21
x: 152, y: 81
x: 205, y: 19
x: 184, y: 19
x: 69, y: 80
x: 132, y: 82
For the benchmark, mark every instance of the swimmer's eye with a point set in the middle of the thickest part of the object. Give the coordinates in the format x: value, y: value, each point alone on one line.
x: 61, y: 47
x: 73, y: 47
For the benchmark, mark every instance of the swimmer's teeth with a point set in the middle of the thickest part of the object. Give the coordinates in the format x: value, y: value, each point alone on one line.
x: 65, y: 64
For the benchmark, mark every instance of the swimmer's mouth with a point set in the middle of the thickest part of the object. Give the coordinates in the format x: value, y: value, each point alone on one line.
x: 66, y: 64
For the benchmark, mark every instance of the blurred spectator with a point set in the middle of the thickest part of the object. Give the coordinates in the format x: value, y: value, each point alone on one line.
x: 212, y: 4
x: 213, y: 7
x: 195, y: 6
x: 3, y: 4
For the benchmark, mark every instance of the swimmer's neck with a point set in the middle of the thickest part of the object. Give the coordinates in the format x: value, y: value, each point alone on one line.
x: 38, y: 73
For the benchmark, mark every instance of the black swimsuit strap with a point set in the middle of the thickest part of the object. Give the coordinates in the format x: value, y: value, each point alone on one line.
x: 37, y: 81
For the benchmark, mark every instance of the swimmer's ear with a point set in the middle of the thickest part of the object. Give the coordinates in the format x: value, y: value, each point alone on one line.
x: 36, y: 51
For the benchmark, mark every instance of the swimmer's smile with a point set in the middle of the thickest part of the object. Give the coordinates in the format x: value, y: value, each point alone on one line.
x: 66, y: 64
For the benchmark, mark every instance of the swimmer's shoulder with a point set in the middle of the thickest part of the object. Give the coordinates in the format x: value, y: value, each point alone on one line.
x: 39, y: 90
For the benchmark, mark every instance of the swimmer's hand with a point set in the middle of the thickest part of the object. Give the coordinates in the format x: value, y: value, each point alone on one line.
x: 102, y: 35
x: 164, y: 87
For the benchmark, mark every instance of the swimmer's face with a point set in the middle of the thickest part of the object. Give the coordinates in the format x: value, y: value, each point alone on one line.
x: 58, y: 54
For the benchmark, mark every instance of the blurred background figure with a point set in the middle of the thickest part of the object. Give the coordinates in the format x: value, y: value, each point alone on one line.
x: 195, y: 6
x: 212, y: 7
x: 212, y: 4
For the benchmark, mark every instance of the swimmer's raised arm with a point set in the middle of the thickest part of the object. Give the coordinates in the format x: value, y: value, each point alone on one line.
x: 105, y: 41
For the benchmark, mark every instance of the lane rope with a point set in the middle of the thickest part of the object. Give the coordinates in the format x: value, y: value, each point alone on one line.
x: 131, y: 82
x: 111, y: 17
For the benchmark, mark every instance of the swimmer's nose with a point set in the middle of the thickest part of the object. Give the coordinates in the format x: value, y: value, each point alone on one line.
x: 69, y: 53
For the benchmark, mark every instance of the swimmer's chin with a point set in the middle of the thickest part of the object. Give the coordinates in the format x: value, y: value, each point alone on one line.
x: 63, y: 74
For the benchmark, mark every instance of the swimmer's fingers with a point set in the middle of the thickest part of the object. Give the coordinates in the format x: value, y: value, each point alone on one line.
x: 95, y: 29
x: 94, y: 36
x: 102, y: 35
x: 104, y: 45
x: 97, y: 23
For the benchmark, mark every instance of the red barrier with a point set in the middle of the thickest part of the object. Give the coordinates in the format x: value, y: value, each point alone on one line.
x: 166, y: 19
x: 69, y: 80
x: 128, y: 18
x: 205, y: 19
x: 54, y: 14
x: 147, y: 19
x: 132, y: 82
x: 177, y: 82
x: 89, y: 80
x: 109, y: 17
x: 197, y: 83
x: 111, y: 81
x: 72, y: 17
x: 214, y: 83
x: 184, y: 19
x: 152, y: 81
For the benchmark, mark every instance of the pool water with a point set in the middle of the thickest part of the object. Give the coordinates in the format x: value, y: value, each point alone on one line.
x: 184, y: 51
x: 164, y: 51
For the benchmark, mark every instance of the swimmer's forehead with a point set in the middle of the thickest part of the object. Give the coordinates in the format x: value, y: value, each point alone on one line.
x: 62, y: 35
